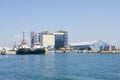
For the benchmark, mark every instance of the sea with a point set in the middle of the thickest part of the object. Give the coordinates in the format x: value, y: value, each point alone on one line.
x: 60, y: 66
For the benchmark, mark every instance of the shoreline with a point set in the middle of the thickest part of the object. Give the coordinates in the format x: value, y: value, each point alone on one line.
x: 67, y: 52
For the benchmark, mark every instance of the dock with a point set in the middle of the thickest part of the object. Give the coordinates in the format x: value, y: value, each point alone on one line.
x: 8, y: 53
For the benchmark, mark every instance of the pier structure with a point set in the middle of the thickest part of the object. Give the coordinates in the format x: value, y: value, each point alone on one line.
x: 7, y: 51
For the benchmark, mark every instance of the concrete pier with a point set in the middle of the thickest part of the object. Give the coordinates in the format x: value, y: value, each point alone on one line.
x: 8, y: 53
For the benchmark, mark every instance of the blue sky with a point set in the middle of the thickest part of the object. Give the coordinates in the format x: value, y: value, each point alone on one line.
x: 85, y: 20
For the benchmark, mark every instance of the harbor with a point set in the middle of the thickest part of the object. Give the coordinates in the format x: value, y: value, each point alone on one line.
x: 23, y: 49
x: 57, y: 42
x: 9, y: 52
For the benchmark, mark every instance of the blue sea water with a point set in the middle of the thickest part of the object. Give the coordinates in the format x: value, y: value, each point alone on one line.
x: 60, y: 66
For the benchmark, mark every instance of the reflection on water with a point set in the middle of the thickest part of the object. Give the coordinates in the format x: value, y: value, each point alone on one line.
x: 60, y: 67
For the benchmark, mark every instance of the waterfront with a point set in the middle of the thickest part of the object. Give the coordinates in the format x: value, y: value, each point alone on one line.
x: 60, y: 66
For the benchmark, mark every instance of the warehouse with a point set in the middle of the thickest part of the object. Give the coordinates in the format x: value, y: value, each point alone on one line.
x: 89, y: 45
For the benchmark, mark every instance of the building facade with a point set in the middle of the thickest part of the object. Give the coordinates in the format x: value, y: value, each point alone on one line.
x: 61, y: 39
x: 54, y: 40
x: 46, y: 39
x: 109, y: 48
x: 33, y: 38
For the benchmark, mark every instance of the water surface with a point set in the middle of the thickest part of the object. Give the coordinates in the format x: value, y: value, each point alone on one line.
x: 60, y: 66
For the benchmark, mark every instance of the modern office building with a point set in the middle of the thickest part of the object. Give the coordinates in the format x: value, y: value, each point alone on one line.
x: 33, y: 38
x: 61, y: 39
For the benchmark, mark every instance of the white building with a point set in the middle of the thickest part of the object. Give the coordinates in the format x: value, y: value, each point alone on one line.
x: 47, y: 39
x: 53, y: 40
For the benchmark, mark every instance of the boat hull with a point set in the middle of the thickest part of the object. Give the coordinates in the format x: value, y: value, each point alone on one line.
x: 23, y: 51
x: 38, y: 51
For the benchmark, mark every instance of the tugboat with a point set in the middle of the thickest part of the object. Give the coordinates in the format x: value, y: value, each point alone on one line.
x: 38, y: 49
x: 23, y: 48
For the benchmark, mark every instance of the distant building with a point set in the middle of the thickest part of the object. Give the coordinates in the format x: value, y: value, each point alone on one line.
x: 52, y: 40
x: 46, y: 39
x: 90, y: 45
x: 118, y: 48
x: 61, y: 39
x: 109, y: 48
x: 33, y: 38
x: 40, y: 37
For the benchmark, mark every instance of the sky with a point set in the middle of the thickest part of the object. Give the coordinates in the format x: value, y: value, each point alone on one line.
x: 85, y: 20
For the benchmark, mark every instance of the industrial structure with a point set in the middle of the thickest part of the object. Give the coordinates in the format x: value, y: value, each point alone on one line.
x: 53, y: 40
x: 46, y: 39
x: 33, y: 38
x: 90, y: 45
x: 61, y: 39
